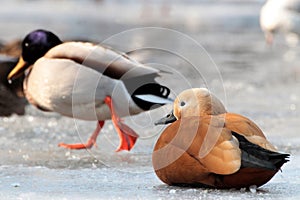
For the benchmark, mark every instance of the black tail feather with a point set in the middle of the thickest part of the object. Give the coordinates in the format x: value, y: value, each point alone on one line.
x: 258, y: 157
x: 149, y: 88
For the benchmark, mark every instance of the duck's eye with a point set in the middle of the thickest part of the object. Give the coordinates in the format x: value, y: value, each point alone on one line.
x: 26, y: 44
x: 182, y: 103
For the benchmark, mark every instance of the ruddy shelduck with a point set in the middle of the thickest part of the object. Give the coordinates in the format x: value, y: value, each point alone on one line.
x: 206, y: 146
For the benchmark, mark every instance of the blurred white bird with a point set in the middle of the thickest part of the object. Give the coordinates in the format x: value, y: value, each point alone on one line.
x: 281, y: 16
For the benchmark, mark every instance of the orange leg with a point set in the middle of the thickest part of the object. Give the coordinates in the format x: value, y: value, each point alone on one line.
x: 91, y: 141
x: 127, y: 135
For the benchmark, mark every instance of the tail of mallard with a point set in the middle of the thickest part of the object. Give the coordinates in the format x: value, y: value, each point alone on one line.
x: 151, y: 94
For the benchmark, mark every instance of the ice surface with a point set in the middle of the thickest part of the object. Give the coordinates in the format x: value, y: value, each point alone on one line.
x: 257, y: 81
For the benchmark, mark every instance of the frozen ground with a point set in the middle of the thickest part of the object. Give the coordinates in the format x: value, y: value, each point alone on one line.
x: 251, y: 78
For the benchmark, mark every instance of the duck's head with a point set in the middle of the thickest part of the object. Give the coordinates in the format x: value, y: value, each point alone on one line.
x: 194, y: 102
x: 34, y: 46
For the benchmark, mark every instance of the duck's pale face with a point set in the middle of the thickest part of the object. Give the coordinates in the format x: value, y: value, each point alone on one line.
x: 196, y: 102
x: 193, y: 102
x: 186, y: 104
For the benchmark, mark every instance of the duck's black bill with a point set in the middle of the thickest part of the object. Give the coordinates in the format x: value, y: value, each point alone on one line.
x: 167, y: 119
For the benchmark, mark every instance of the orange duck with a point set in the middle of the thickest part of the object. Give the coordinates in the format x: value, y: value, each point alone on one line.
x: 206, y: 146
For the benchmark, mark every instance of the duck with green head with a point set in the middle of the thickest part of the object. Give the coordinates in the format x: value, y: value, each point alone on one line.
x: 89, y: 82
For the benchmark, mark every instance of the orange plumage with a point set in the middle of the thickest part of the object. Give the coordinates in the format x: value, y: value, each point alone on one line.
x: 206, y: 146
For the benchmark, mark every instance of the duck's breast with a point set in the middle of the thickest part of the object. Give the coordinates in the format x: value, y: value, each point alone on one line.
x: 68, y: 88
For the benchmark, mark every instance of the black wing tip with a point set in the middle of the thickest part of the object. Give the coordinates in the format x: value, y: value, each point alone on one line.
x: 260, y: 157
x: 284, y: 158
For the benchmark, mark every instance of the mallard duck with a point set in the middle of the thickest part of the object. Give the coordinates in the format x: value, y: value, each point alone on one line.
x: 206, y: 146
x: 281, y: 16
x: 87, y: 81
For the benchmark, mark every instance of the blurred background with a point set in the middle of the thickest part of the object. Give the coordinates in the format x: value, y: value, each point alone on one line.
x: 226, y: 45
